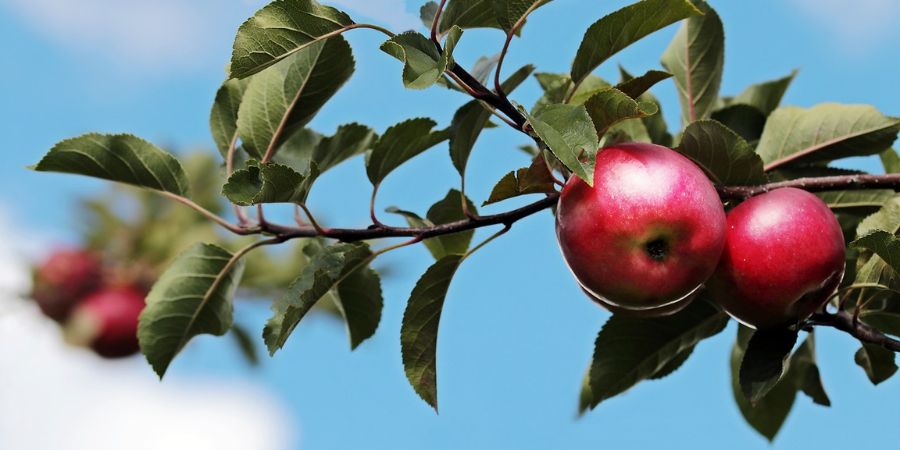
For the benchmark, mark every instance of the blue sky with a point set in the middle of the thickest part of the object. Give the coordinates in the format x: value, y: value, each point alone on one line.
x: 516, y: 333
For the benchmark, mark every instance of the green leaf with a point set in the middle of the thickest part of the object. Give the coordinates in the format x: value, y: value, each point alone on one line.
x: 569, y: 133
x: 245, y: 343
x: 423, y: 65
x: 509, y: 12
x: 447, y: 210
x: 636, y: 86
x: 325, y: 270
x: 764, y: 361
x: 193, y: 296
x: 279, y: 30
x: 357, y: 297
x: 534, y: 179
x: 805, y: 373
x: 611, y: 106
x: 223, y: 117
x: 472, y: 117
x: 696, y: 56
x: 887, y: 218
x: 304, y: 148
x: 770, y: 412
x: 117, y: 157
x: 745, y: 120
x: 419, y: 330
x: 890, y: 160
x: 673, y: 365
x: 878, y: 362
x: 286, y: 97
x: 657, y: 129
x: 765, y: 96
x: 854, y: 200
x: 631, y: 130
x: 267, y: 183
x: 823, y: 133
x: 629, y: 350
x: 612, y: 33
x: 724, y: 155
x: 556, y: 87
x: 883, y: 244
x: 466, y: 14
x: 399, y: 144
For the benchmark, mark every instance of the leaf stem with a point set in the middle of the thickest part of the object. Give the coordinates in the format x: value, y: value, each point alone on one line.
x: 236, y: 229
x: 435, y: 22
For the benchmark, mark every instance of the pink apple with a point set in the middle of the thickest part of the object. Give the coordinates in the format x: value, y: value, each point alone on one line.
x: 107, y: 321
x: 783, y: 258
x: 64, y: 279
x: 648, y: 233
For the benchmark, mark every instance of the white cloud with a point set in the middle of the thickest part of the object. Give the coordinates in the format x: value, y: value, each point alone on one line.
x: 53, y: 396
x: 161, y: 34
x: 856, y: 25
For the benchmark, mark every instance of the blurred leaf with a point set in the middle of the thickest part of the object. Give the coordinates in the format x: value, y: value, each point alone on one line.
x: 280, y: 29
x: 117, y: 157
x: 283, y: 99
x: 192, y: 297
x: 325, y: 270
x: 878, y: 362
x: 695, y: 57
x: 246, y: 344
x: 618, y: 30
x: 630, y: 130
x: 419, y: 330
x: 636, y: 86
x: 764, y: 361
x: 611, y: 106
x: 745, y: 120
x: 724, y: 155
x: 508, y: 12
x: 485, y: 65
x: 471, y: 118
x: 534, y: 179
x: 399, y: 144
x: 769, y: 413
x: 267, y: 183
x: 823, y: 133
x: 224, y: 114
x: 865, y: 199
x: 657, y: 129
x: 569, y: 133
x: 890, y: 160
x: 629, y: 350
x: 423, y: 64
x: 765, y: 96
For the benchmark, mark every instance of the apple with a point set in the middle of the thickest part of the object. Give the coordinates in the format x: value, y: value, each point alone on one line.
x: 783, y: 258
x: 63, y: 279
x: 661, y: 311
x: 647, y: 234
x: 107, y: 321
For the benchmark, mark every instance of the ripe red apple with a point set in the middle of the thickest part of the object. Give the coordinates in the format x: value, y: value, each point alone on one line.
x: 647, y: 234
x: 661, y: 311
x: 783, y: 258
x: 63, y: 279
x: 107, y: 321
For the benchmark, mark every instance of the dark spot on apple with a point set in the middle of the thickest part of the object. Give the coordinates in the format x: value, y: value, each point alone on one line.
x: 657, y: 249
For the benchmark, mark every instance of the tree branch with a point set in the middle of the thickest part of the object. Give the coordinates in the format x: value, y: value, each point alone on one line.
x: 844, y: 321
x: 818, y: 184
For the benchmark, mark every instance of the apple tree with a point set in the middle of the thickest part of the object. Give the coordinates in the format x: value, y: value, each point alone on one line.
x: 674, y: 229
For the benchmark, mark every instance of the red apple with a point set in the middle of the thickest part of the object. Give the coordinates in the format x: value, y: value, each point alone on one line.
x: 63, y: 279
x: 661, y: 311
x: 107, y: 321
x: 783, y: 258
x: 647, y: 234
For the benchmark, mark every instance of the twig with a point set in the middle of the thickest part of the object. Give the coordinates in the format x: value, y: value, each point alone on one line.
x: 819, y: 184
x: 845, y: 322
